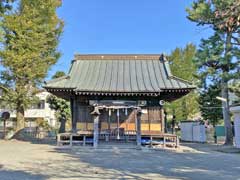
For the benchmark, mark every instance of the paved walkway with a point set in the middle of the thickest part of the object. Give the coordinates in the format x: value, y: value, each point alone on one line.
x: 26, y: 161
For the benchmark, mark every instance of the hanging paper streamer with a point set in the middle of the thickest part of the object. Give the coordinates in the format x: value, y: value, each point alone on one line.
x: 109, y: 112
x: 117, y: 112
x: 126, y: 111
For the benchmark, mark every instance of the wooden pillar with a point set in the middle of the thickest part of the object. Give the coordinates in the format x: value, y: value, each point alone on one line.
x: 74, y: 111
x: 164, y: 141
x: 109, y: 119
x: 149, y: 121
x: 139, y: 113
x: 165, y: 121
x: 95, y: 115
x: 118, y: 124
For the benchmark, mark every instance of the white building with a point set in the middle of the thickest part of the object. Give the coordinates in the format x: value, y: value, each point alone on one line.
x: 235, y: 109
x: 38, y: 111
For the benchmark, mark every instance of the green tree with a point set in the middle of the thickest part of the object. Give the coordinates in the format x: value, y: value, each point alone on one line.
x: 29, y: 48
x: 219, y: 55
x: 58, y: 74
x: 210, y: 107
x: 182, y: 65
x: 62, y: 109
x: 5, y: 5
x: 61, y: 106
x: 236, y: 89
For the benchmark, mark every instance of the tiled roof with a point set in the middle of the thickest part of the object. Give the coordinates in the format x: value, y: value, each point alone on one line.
x: 119, y: 74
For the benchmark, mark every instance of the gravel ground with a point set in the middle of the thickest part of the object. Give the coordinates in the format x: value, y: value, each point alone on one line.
x: 26, y: 161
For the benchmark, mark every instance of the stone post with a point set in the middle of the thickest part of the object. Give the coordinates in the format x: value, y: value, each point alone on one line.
x: 139, y: 113
x: 95, y: 115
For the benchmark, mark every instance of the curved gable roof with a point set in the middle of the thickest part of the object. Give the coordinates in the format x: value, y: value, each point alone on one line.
x: 119, y: 74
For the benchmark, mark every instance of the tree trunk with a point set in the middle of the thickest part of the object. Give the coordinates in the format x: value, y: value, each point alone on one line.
x: 224, y: 91
x: 226, y: 114
x: 20, y: 117
x: 62, y: 128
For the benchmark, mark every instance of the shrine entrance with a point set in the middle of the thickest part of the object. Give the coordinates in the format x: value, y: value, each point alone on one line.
x: 117, y: 120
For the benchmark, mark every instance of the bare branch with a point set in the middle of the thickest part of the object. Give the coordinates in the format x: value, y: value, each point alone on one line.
x: 237, y: 40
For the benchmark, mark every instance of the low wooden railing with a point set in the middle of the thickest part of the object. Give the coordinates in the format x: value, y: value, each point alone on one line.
x: 163, y: 139
x: 85, y: 137
x: 71, y: 139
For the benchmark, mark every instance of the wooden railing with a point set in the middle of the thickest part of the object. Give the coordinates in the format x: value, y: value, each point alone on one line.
x: 156, y: 138
x: 70, y: 139
x: 86, y: 137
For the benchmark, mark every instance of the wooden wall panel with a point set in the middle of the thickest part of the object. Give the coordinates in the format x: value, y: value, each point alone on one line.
x: 150, y: 120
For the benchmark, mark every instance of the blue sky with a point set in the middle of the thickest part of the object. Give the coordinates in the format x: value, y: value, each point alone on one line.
x: 124, y: 26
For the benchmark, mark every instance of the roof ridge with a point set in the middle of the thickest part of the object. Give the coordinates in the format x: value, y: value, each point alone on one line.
x: 117, y: 56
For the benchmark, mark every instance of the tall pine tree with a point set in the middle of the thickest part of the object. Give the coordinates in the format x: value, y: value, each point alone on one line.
x: 210, y: 107
x: 219, y: 55
x: 31, y: 35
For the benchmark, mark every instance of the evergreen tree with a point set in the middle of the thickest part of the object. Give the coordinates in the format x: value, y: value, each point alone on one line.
x: 30, y: 39
x: 61, y: 106
x: 182, y: 65
x: 236, y: 89
x: 210, y: 107
x: 218, y: 56
x: 62, y: 110
x: 5, y: 5
x: 58, y: 74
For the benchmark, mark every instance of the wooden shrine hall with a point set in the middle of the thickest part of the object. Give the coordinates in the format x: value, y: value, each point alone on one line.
x: 118, y: 97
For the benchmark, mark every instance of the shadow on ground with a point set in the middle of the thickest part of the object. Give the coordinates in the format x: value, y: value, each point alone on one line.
x: 150, y: 164
x: 19, y: 175
x: 21, y: 160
